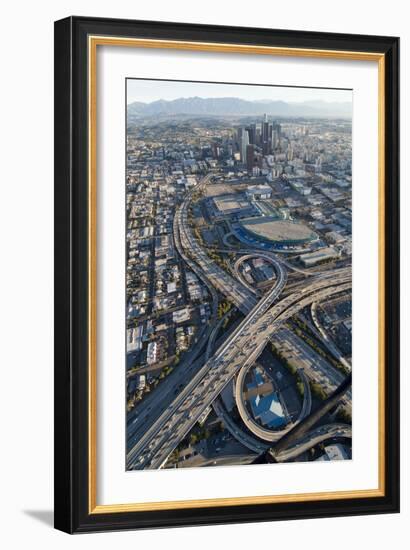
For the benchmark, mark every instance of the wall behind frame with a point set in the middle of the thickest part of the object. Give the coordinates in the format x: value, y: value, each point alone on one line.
x: 26, y: 276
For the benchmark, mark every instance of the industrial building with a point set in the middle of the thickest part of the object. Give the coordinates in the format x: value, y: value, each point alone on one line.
x: 134, y: 338
x: 265, y: 407
x: 271, y: 230
x: 313, y: 258
x: 259, y: 192
x: 231, y: 205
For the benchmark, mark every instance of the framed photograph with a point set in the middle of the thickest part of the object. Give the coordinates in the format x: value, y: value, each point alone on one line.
x: 226, y: 274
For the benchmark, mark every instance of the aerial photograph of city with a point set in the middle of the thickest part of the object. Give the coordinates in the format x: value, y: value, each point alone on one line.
x: 238, y: 290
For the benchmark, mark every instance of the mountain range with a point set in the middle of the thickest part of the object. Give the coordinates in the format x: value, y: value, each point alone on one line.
x: 231, y: 106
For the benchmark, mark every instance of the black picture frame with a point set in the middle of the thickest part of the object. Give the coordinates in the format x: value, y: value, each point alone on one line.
x: 71, y: 491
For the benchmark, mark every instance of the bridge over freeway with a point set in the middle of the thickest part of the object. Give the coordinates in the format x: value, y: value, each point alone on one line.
x: 243, y: 347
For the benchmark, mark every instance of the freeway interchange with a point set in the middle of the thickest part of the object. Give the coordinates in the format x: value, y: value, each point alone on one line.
x: 170, y: 415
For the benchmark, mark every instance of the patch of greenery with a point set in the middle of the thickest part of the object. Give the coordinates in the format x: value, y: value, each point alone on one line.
x: 318, y: 391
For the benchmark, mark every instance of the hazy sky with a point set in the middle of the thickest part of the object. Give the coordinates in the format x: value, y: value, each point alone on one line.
x: 152, y: 90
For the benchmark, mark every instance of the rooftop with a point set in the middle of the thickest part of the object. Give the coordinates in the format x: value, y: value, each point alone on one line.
x: 268, y: 410
x: 271, y: 229
x: 230, y: 202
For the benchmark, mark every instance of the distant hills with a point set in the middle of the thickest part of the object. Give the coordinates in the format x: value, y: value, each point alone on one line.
x: 233, y: 106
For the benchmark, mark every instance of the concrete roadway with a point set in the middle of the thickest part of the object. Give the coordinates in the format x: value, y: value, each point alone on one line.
x: 258, y: 310
x: 212, y: 337
x: 271, y: 255
x: 220, y: 279
x: 243, y: 347
x: 314, y: 437
x: 256, y: 429
x: 146, y: 412
x: 144, y: 458
x: 246, y: 257
x: 267, y: 434
x: 317, y: 368
x: 230, y: 287
x: 247, y: 440
x: 328, y: 342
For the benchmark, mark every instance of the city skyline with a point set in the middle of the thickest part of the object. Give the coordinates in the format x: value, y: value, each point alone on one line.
x: 238, y: 288
x: 148, y: 91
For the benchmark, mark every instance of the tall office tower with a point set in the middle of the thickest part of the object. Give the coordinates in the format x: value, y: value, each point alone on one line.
x: 252, y: 134
x: 265, y: 129
x: 258, y: 136
x: 290, y: 152
x: 276, y: 136
x: 266, y: 136
x: 266, y: 147
x: 216, y: 150
x: 279, y: 130
x: 250, y: 158
x: 270, y: 139
x: 239, y: 134
x: 244, y: 145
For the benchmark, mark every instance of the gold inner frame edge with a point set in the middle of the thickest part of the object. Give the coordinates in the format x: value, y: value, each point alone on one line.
x: 93, y: 42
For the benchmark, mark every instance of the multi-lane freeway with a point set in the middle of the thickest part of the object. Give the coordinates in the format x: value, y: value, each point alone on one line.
x: 316, y: 367
x: 328, y: 342
x: 154, y: 436
x: 147, y: 413
x: 241, y: 296
x: 243, y: 347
